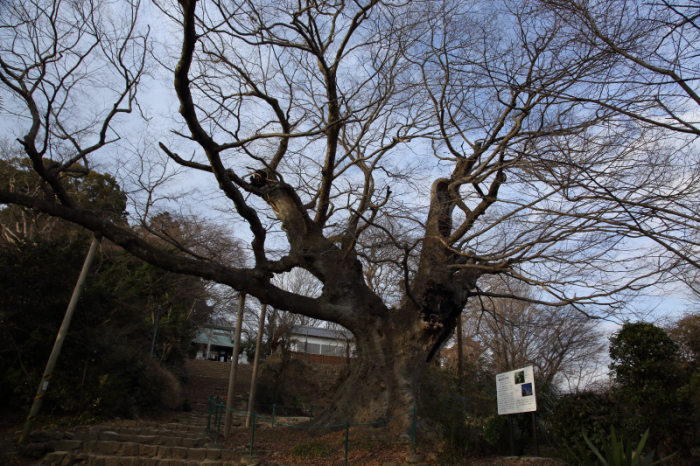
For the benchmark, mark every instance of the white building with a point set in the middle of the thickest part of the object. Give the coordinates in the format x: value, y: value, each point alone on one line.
x: 322, y: 341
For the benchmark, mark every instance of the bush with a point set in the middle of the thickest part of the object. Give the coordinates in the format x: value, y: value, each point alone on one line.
x: 456, y: 415
x: 592, y: 414
x: 135, y: 386
x: 650, y: 394
x: 614, y: 453
x: 104, y: 368
x: 649, y: 379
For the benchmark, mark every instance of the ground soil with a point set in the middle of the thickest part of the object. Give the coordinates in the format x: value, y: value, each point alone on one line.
x: 367, y: 447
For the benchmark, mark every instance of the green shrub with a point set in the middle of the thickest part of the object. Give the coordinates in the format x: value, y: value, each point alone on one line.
x: 649, y: 379
x: 588, y: 413
x: 134, y: 386
x: 456, y: 414
x: 614, y: 453
x: 104, y: 368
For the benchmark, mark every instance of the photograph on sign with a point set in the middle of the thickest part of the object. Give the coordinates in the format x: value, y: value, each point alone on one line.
x: 520, y: 377
x: 516, y: 391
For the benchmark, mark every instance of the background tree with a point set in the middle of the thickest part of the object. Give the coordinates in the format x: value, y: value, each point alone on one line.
x: 648, y: 382
x: 685, y: 332
x: 653, y: 90
x: 106, y: 370
x: 515, y: 333
x: 653, y: 389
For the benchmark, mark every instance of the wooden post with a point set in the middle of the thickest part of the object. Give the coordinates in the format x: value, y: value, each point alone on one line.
x: 206, y: 355
x: 510, y: 430
x: 534, y: 433
x: 234, y: 364
x: 256, y: 363
x: 460, y: 361
x: 60, y: 338
x: 156, y: 320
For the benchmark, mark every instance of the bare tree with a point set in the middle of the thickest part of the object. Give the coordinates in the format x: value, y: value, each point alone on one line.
x: 334, y: 128
x: 281, y: 323
x: 653, y: 92
x: 557, y: 341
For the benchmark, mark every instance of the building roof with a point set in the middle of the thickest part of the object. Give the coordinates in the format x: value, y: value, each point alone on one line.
x: 318, y: 332
x: 218, y: 337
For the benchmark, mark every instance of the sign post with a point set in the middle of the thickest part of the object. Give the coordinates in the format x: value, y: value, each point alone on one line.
x: 516, y: 394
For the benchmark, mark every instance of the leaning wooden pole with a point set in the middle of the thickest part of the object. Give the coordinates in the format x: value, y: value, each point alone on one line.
x: 256, y: 363
x: 234, y: 365
x: 60, y: 338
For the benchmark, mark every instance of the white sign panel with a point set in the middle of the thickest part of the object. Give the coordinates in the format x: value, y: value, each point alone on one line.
x: 516, y: 391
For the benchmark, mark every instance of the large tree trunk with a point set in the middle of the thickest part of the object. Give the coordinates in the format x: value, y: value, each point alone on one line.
x: 384, y: 378
x: 394, y: 346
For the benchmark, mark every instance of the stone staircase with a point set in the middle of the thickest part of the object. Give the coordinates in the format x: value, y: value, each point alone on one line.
x: 137, y: 443
x: 180, y: 441
x: 210, y: 378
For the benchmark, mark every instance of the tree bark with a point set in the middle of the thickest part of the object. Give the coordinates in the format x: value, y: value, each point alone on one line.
x: 384, y: 381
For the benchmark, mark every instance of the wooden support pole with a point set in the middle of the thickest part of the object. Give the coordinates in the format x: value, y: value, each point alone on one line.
x: 60, y: 338
x: 256, y: 363
x: 234, y: 365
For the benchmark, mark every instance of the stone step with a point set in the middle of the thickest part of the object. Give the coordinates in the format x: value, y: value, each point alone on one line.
x: 216, y: 389
x: 96, y: 432
x: 198, y: 367
x: 179, y: 441
x: 134, y: 446
x: 89, y: 439
x: 207, y: 384
x: 174, y: 426
x: 192, y: 457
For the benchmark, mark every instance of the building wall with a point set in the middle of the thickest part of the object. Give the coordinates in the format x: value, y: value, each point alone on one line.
x: 320, y: 346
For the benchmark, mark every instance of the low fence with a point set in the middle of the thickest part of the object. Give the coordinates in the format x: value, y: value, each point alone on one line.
x: 217, y: 410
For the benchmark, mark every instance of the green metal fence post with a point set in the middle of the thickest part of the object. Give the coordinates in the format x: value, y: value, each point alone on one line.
x: 273, y: 415
x: 216, y: 415
x: 211, y: 407
x: 218, y: 423
x: 347, y: 434
x: 252, y: 433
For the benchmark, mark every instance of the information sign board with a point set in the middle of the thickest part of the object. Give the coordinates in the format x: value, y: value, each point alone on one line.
x: 516, y: 391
